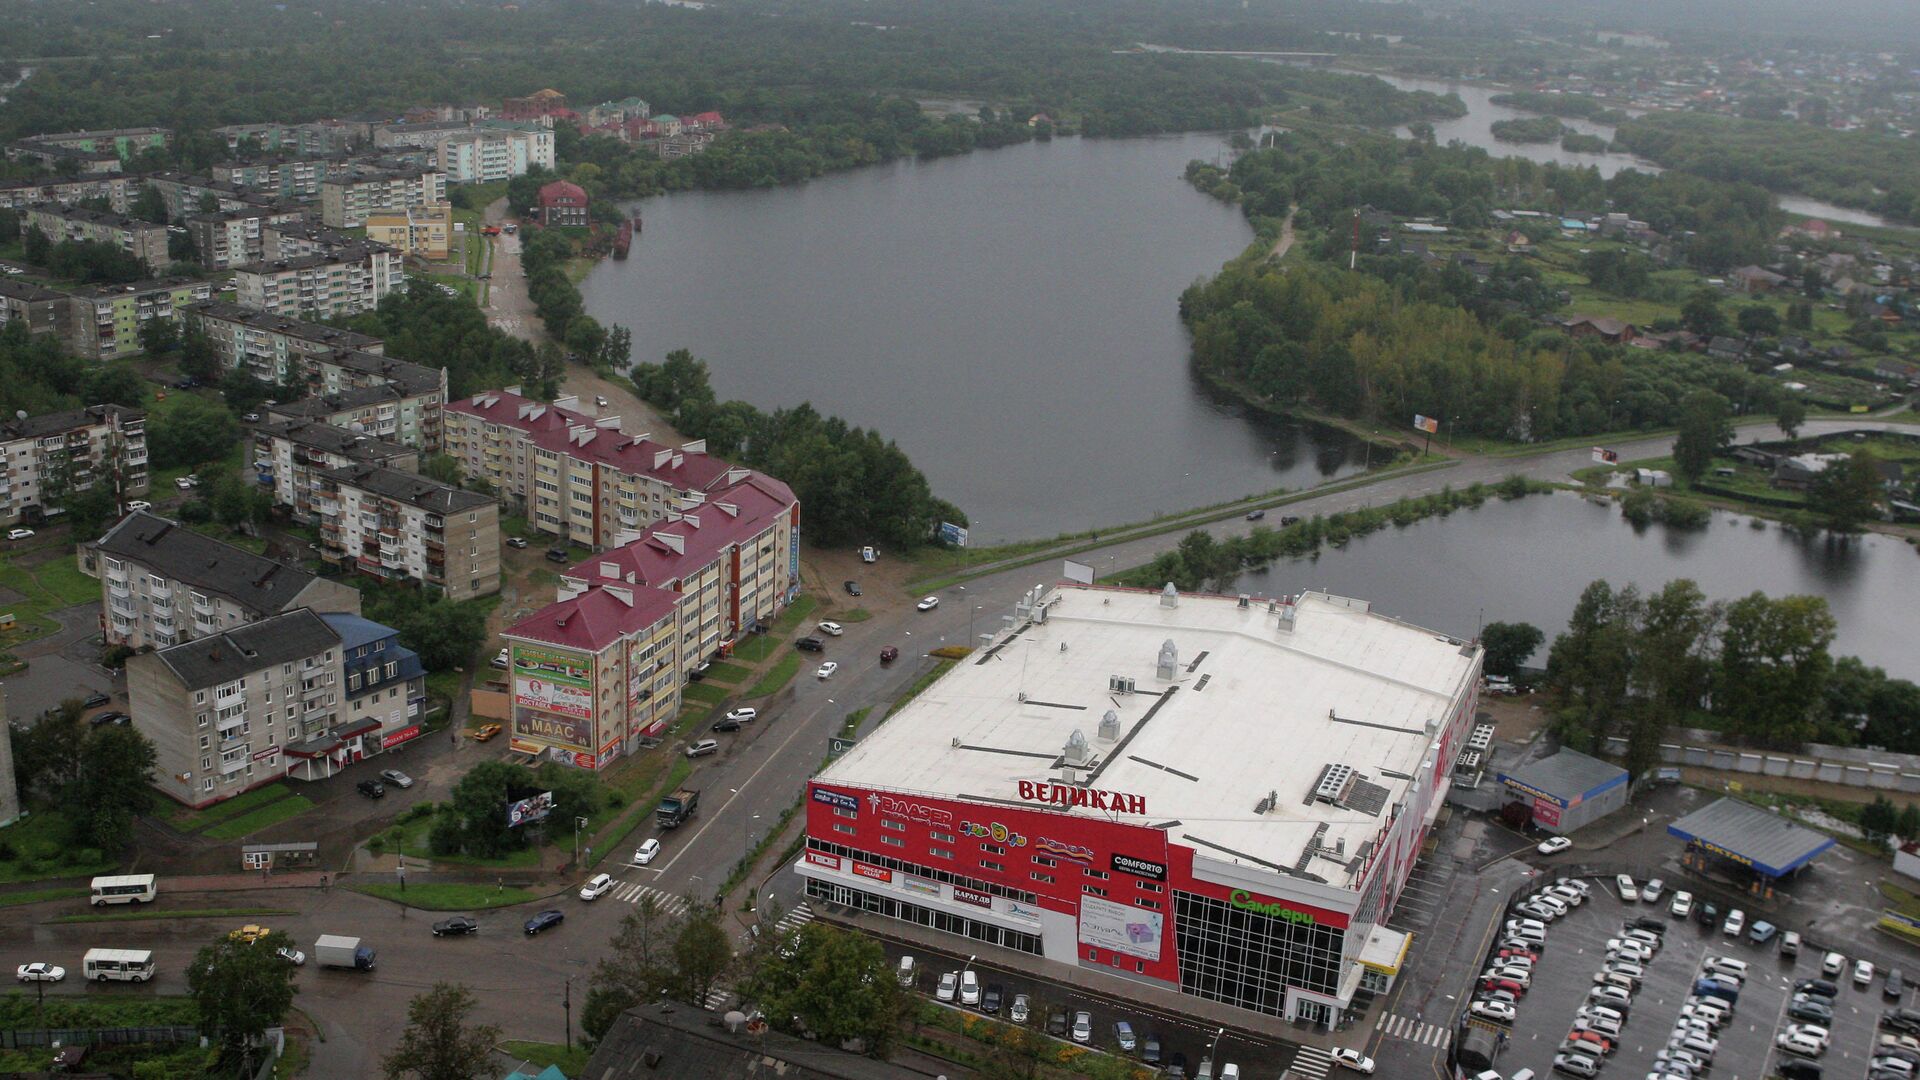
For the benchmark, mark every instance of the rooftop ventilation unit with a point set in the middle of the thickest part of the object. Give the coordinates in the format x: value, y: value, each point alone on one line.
x: 1335, y: 779
x: 1169, y: 596
x: 1120, y: 684
x: 1246, y: 600
x: 1167, y: 667
x: 1110, y: 726
x: 1286, y: 612
x: 1077, y: 751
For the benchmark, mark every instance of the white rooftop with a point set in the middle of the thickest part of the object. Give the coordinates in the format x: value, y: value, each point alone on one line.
x: 1262, y: 699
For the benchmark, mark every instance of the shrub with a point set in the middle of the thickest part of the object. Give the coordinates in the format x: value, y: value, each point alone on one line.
x: 951, y: 652
x: 445, y: 838
x: 378, y: 844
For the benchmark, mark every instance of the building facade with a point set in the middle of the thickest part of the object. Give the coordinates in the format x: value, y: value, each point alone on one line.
x: 383, y: 679
x: 594, y: 675
x: 40, y: 309
x: 50, y: 455
x: 185, y: 195
x: 347, y: 282
x: 425, y: 232
x: 141, y: 239
x: 1201, y: 794
x: 291, y: 178
x: 272, y: 348
x: 348, y: 198
x: 124, y: 143
x: 104, y: 321
x: 234, y: 238
x: 304, y: 239
x: 119, y: 192
x: 384, y: 412
x: 290, y: 455
x: 404, y: 527
x: 563, y: 203
x: 161, y: 584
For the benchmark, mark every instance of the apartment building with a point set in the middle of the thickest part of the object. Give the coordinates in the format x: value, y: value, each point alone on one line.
x: 104, y: 321
x: 492, y: 151
x: 291, y: 179
x: 300, y: 239
x: 574, y: 476
x: 161, y: 584
x: 731, y: 558
x: 142, y: 239
x: 424, y: 134
x: 271, y: 347
x: 50, y: 455
x: 245, y: 707
x: 122, y: 142
x: 289, y: 455
x: 40, y: 309
x: 119, y: 191
x: 185, y: 194
x: 424, y: 232
x: 61, y: 158
x: 386, y: 411
x: 352, y: 280
x: 594, y: 675
x: 315, y: 137
x: 348, y: 198
x: 234, y: 238
x: 384, y: 680
x: 405, y: 527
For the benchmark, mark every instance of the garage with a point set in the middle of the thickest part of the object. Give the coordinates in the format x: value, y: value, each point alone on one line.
x: 1565, y: 791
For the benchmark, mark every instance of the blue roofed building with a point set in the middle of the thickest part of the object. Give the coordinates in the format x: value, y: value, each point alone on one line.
x: 385, y: 680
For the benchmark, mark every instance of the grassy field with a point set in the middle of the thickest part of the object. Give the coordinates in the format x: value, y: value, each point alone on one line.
x: 448, y: 897
x: 36, y: 896
x: 51, y: 583
x: 194, y: 821
x: 38, y: 846
x: 271, y: 814
x: 189, y: 913
x: 410, y: 838
x: 725, y: 673
x: 777, y: 676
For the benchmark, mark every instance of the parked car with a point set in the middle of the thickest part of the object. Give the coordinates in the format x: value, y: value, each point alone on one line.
x: 396, y: 778
x: 291, y: 955
x: 990, y: 999
x: 106, y: 718
x: 502, y: 659
x: 1057, y: 1023
x: 852, y: 587
x: 1650, y: 892
x: 1498, y: 1011
x: 1082, y: 1026
x: 1150, y: 1050
x: 969, y: 987
x: 1706, y: 914
x: 724, y: 724
x: 596, y: 887
x: 458, y: 925
x: 1826, y: 989
x: 135, y: 506
x: 745, y: 714
x: 484, y: 732
x: 1762, y: 932
x: 544, y: 920
x: 1628, y: 890
x: 1811, y: 1010
x: 19, y: 534
x: 1736, y: 922
x: 868, y: 555
x: 1017, y: 1012
x: 95, y: 700
x: 1576, y: 1064
x: 830, y: 628
x: 928, y: 604
x: 703, y: 748
x: 949, y: 986
x: 1123, y: 1035
x: 372, y: 789
x: 1832, y: 964
x: 516, y: 541
x: 558, y: 555
x: 827, y: 669
x: 1553, y: 845
x: 1896, y: 986
x: 1863, y: 973
x: 1681, y: 906
x: 1906, y: 1021
x: 810, y: 644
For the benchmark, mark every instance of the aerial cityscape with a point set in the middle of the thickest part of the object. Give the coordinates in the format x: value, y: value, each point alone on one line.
x: 853, y: 539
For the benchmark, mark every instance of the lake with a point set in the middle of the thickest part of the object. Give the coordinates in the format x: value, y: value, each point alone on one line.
x: 1528, y: 560
x: 1009, y: 317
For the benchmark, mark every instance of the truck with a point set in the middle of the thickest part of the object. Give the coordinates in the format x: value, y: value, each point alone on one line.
x: 336, y: 951
x: 677, y: 807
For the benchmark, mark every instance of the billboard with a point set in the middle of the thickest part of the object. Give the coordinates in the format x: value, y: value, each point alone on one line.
x: 1427, y: 424
x: 1604, y: 456
x: 530, y: 809
x: 553, y: 680
x: 554, y: 730
x: 953, y: 534
x: 1130, y: 930
x: 1076, y: 571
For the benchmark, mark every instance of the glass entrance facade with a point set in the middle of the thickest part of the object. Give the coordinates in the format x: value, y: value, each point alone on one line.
x: 1247, y: 959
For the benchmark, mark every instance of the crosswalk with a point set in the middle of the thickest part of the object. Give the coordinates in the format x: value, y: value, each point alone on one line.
x: 1402, y: 1027
x: 792, y: 921
x: 1312, y: 1063
x: 630, y: 892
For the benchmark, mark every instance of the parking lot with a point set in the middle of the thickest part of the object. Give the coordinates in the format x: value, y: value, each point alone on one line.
x: 1576, y: 948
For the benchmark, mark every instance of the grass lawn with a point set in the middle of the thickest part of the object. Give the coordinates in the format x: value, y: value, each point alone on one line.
x: 725, y: 673
x: 38, y: 847
x: 703, y: 694
x: 190, y: 913
x: 540, y: 1055
x: 253, y: 821
x: 854, y: 615
x: 35, y: 896
x: 46, y: 587
x: 19, y: 1010
x: 756, y: 648
x: 447, y: 897
x: 778, y: 676
x: 189, y: 820
x: 796, y: 613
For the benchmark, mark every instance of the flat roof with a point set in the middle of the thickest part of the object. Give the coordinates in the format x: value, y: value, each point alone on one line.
x: 1752, y: 836
x: 1268, y: 703
x: 1566, y: 778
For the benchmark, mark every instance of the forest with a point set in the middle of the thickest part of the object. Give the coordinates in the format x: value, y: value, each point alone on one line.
x: 1873, y: 172
x: 1574, y: 105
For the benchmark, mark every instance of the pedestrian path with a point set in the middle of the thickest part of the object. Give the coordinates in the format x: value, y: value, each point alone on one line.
x: 1312, y: 1062
x: 1402, y: 1027
x: 630, y: 892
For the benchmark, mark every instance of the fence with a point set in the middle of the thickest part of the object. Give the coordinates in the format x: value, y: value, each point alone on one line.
x: 27, y: 1038
x: 1827, y: 764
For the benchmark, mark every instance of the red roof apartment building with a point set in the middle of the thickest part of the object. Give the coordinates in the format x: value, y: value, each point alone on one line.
x: 1206, y: 794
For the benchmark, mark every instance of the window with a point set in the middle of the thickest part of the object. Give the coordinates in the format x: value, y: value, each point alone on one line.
x: 989, y: 864
x: 1038, y: 876
x: 1101, y: 875
x: 203, y: 719
x: 206, y: 763
x: 1149, y: 886
x: 896, y: 826
x: 205, y: 741
x: 1093, y: 890
x: 353, y: 681
x: 848, y: 829
x: 936, y: 834
x: 1042, y: 860
x: 940, y: 852
x: 841, y: 811
x: 893, y: 841
x: 993, y: 849
x: 199, y: 697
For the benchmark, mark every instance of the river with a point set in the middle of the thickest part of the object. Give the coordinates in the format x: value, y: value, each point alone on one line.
x: 1009, y: 317
x: 1528, y: 560
x: 1476, y: 129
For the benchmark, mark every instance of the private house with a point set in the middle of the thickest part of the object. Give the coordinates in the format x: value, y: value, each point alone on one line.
x: 1755, y: 279
x: 1797, y: 472
x: 563, y: 203
x: 1598, y: 326
x: 1727, y: 348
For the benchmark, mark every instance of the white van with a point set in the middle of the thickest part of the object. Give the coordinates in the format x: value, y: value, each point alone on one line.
x: 1229, y: 1071
x: 1727, y: 965
x: 905, y: 973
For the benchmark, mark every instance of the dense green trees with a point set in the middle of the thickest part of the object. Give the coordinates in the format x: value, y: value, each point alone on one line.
x: 856, y: 485
x: 439, y: 1043
x: 475, y: 820
x: 1508, y: 645
x: 1705, y: 430
x: 194, y: 432
x: 1847, y: 493
x: 1577, y: 105
x: 833, y: 985
x: 427, y: 327
x: 241, y: 988
x: 1533, y: 129
x: 101, y: 775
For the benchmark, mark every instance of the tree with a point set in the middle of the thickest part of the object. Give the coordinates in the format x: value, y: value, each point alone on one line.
x: 478, y: 806
x: 149, y: 205
x: 89, y: 511
x: 159, y: 335
x: 39, y: 248
x: 1878, y: 818
x: 442, y: 467
x: 117, y: 385
x: 701, y: 953
x: 1773, y: 667
x: 46, y: 755
x: 1590, y: 666
x: 1701, y: 313
x: 637, y: 967
x: 1846, y: 492
x: 1908, y: 826
x: 1790, y: 414
x: 241, y: 989
x: 438, y: 1043
x: 194, y: 433
x: 238, y: 504
x: 1758, y: 320
x: 112, y: 786
x: 197, y: 355
x: 1508, y: 645
x: 837, y: 987
x: 1705, y: 430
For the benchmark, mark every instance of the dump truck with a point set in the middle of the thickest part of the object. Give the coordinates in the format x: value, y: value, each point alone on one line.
x: 677, y: 807
x: 334, y: 950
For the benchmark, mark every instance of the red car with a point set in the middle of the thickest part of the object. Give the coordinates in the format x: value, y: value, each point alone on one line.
x: 1508, y: 985
x: 889, y: 654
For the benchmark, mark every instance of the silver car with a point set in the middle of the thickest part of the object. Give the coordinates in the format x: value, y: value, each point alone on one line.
x: 1082, y: 1026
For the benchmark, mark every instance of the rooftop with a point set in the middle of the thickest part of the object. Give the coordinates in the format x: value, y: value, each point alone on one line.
x: 562, y: 430
x: 410, y: 377
x: 1768, y: 842
x: 256, y: 583
x: 334, y: 440
x: 136, y: 288
x: 27, y: 291
x: 658, y: 1040
x: 1569, y: 776
x: 92, y: 217
x: 223, y: 657
x: 66, y: 420
x: 410, y: 488
x: 690, y: 538
x: 280, y: 324
x: 594, y: 620
x: 346, y: 253
x: 1270, y: 734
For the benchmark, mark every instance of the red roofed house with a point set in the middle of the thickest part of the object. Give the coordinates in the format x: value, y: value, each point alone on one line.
x: 540, y: 103
x: 562, y: 203
x: 594, y: 674
x: 706, y: 121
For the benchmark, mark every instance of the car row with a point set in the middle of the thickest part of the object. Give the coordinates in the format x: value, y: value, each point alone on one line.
x: 965, y: 988
x: 1597, y: 1024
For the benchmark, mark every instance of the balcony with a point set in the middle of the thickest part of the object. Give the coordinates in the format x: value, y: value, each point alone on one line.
x: 162, y: 593
x: 228, y: 768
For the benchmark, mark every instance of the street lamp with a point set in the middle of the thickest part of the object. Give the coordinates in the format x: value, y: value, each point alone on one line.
x: 746, y: 831
x: 578, y: 824
x: 1214, y: 1047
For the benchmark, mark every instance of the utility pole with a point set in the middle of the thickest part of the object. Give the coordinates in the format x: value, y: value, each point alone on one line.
x: 566, y: 1006
x: 578, y: 824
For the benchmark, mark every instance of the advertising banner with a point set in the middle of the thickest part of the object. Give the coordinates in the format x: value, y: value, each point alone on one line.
x: 1427, y: 424
x: 1138, y: 867
x: 821, y: 858
x: 1546, y: 813
x: 573, y: 733
x: 1129, y: 930
x: 1604, y: 456
x: 837, y: 799
x: 868, y: 870
x: 552, y: 680
x: 918, y: 885
x: 955, y: 535
x: 972, y: 896
x: 395, y: 738
x: 531, y: 809
x: 1076, y: 571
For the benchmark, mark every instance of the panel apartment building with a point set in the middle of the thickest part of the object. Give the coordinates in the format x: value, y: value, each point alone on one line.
x: 185, y: 194
x: 401, y: 526
x: 348, y: 282
x: 162, y: 584
x: 489, y: 153
x: 295, y: 179
x: 290, y: 456
x: 119, y: 192
x: 574, y: 476
x: 299, y: 239
x: 50, y: 454
x: 105, y: 320
x: 348, y: 198
x: 234, y: 238
x: 272, y: 348
x: 425, y: 232
x: 141, y: 239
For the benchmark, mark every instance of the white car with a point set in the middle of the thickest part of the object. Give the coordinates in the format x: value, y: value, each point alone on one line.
x: 1498, y: 1011
x: 19, y: 534
x: 1554, y: 845
x: 646, y: 852
x: 746, y: 714
x: 832, y: 629
x: 1736, y: 922
x: 39, y: 973
x: 1353, y: 1059
x: 1815, y: 1032
x: 928, y: 604
x: 1794, y: 1042
x: 1833, y: 964
x: 867, y: 555
x: 1651, y: 891
x: 500, y: 659
x: 969, y: 987
x: 138, y: 505
x: 184, y: 483
x: 1863, y: 973
x: 596, y: 887
x: 827, y: 669
x: 1083, y: 1026
x: 949, y: 983
x: 1682, y: 905
x: 292, y: 956
x: 1628, y: 890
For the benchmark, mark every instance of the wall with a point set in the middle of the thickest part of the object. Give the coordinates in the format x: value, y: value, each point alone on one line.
x: 1847, y: 766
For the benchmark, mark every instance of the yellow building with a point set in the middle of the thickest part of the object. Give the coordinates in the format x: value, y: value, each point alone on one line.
x: 424, y: 231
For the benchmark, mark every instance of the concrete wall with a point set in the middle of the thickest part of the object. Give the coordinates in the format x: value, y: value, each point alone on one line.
x: 1848, y: 766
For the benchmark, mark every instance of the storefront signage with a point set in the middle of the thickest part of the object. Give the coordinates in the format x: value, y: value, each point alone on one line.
x: 553, y: 697
x: 821, y: 858
x: 272, y: 750
x: 1244, y: 900
x: 571, y: 732
x: 551, y: 664
x: 1529, y: 789
x: 1023, y: 911
x: 1118, y: 802
x: 395, y: 738
x: 972, y: 896
x: 1546, y: 813
x: 868, y: 870
x: 836, y: 799
x: 1129, y: 930
x: 916, y: 885
x: 552, y: 680
x: 1062, y: 849
x: 994, y: 831
x: 1716, y: 849
x: 1127, y: 864
x: 907, y: 810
